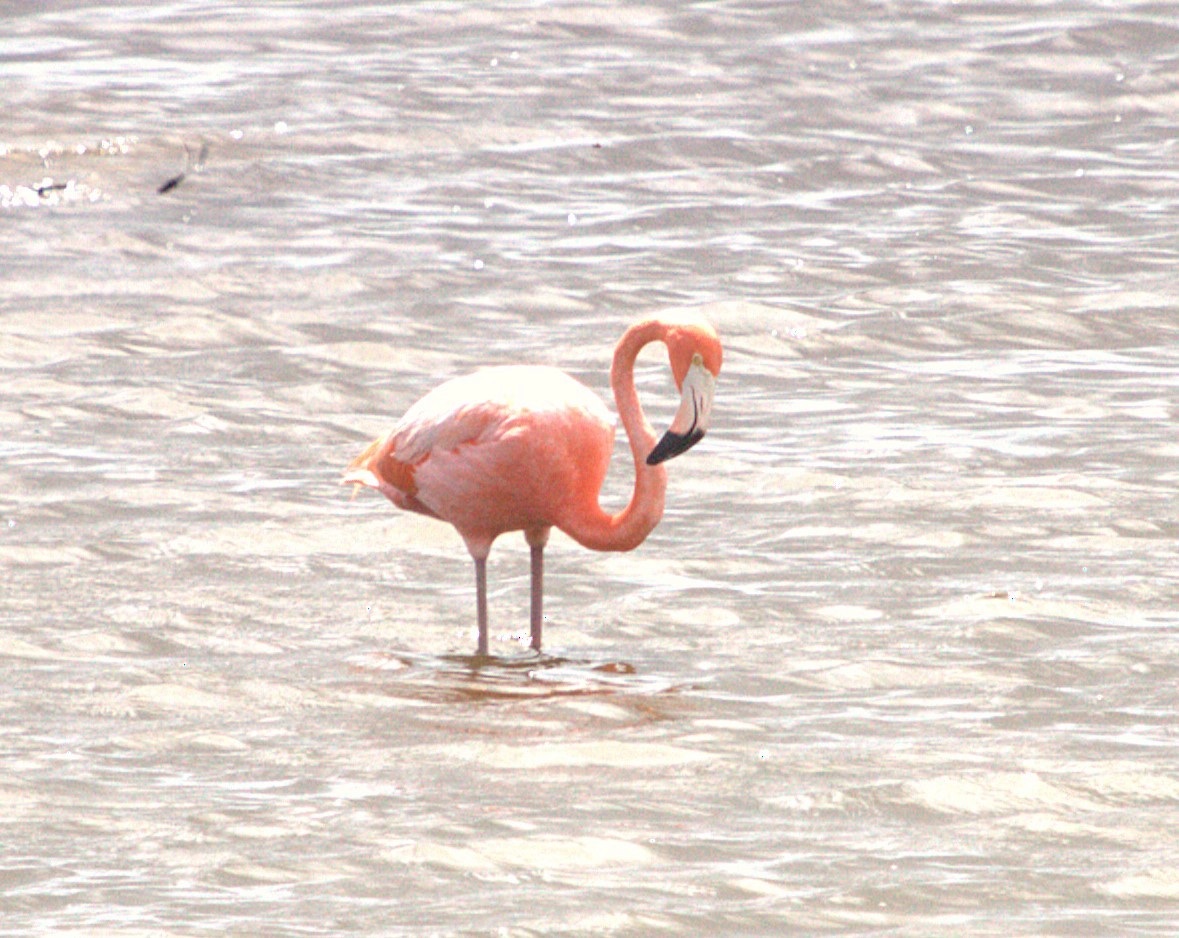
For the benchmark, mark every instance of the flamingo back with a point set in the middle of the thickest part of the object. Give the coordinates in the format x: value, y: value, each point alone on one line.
x: 503, y: 449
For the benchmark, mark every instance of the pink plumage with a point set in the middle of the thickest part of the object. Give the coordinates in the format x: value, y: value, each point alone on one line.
x: 526, y: 448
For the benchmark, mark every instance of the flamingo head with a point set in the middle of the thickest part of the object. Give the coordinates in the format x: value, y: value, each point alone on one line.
x: 694, y: 350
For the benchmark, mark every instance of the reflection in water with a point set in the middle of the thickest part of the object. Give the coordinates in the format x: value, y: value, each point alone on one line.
x: 899, y: 658
x: 488, y: 678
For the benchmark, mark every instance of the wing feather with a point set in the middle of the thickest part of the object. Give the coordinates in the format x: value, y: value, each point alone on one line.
x: 473, y: 409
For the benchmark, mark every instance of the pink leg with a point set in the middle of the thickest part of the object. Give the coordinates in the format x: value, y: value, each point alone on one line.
x: 537, y: 595
x: 481, y: 604
x: 479, y: 548
x: 536, y: 540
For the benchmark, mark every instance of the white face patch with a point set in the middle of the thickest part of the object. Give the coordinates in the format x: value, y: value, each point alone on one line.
x: 696, y: 403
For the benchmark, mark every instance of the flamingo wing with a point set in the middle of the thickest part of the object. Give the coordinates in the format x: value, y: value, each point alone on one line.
x: 499, y: 450
x: 440, y: 421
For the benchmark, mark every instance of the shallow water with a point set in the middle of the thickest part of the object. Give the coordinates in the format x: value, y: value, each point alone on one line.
x: 901, y: 658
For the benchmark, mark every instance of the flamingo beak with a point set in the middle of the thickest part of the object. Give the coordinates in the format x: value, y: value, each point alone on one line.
x: 691, y: 420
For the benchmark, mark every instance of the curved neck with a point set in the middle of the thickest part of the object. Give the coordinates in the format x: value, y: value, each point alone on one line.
x: 593, y: 527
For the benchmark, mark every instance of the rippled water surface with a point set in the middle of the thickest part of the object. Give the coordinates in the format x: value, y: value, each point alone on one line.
x: 900, y: 660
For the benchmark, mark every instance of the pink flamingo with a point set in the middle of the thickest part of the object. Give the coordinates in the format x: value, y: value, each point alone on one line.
x: 526, y: 448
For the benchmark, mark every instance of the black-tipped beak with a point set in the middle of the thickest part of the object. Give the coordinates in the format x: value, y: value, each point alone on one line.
x: 673, y: 444
x: 691, y: 420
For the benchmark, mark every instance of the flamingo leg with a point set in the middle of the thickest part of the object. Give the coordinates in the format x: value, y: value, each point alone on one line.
x: 537, y: 594
x: 537, y: 538
x: 481, y: 604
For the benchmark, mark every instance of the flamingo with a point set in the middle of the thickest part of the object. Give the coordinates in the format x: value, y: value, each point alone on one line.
x: 526, y: 448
